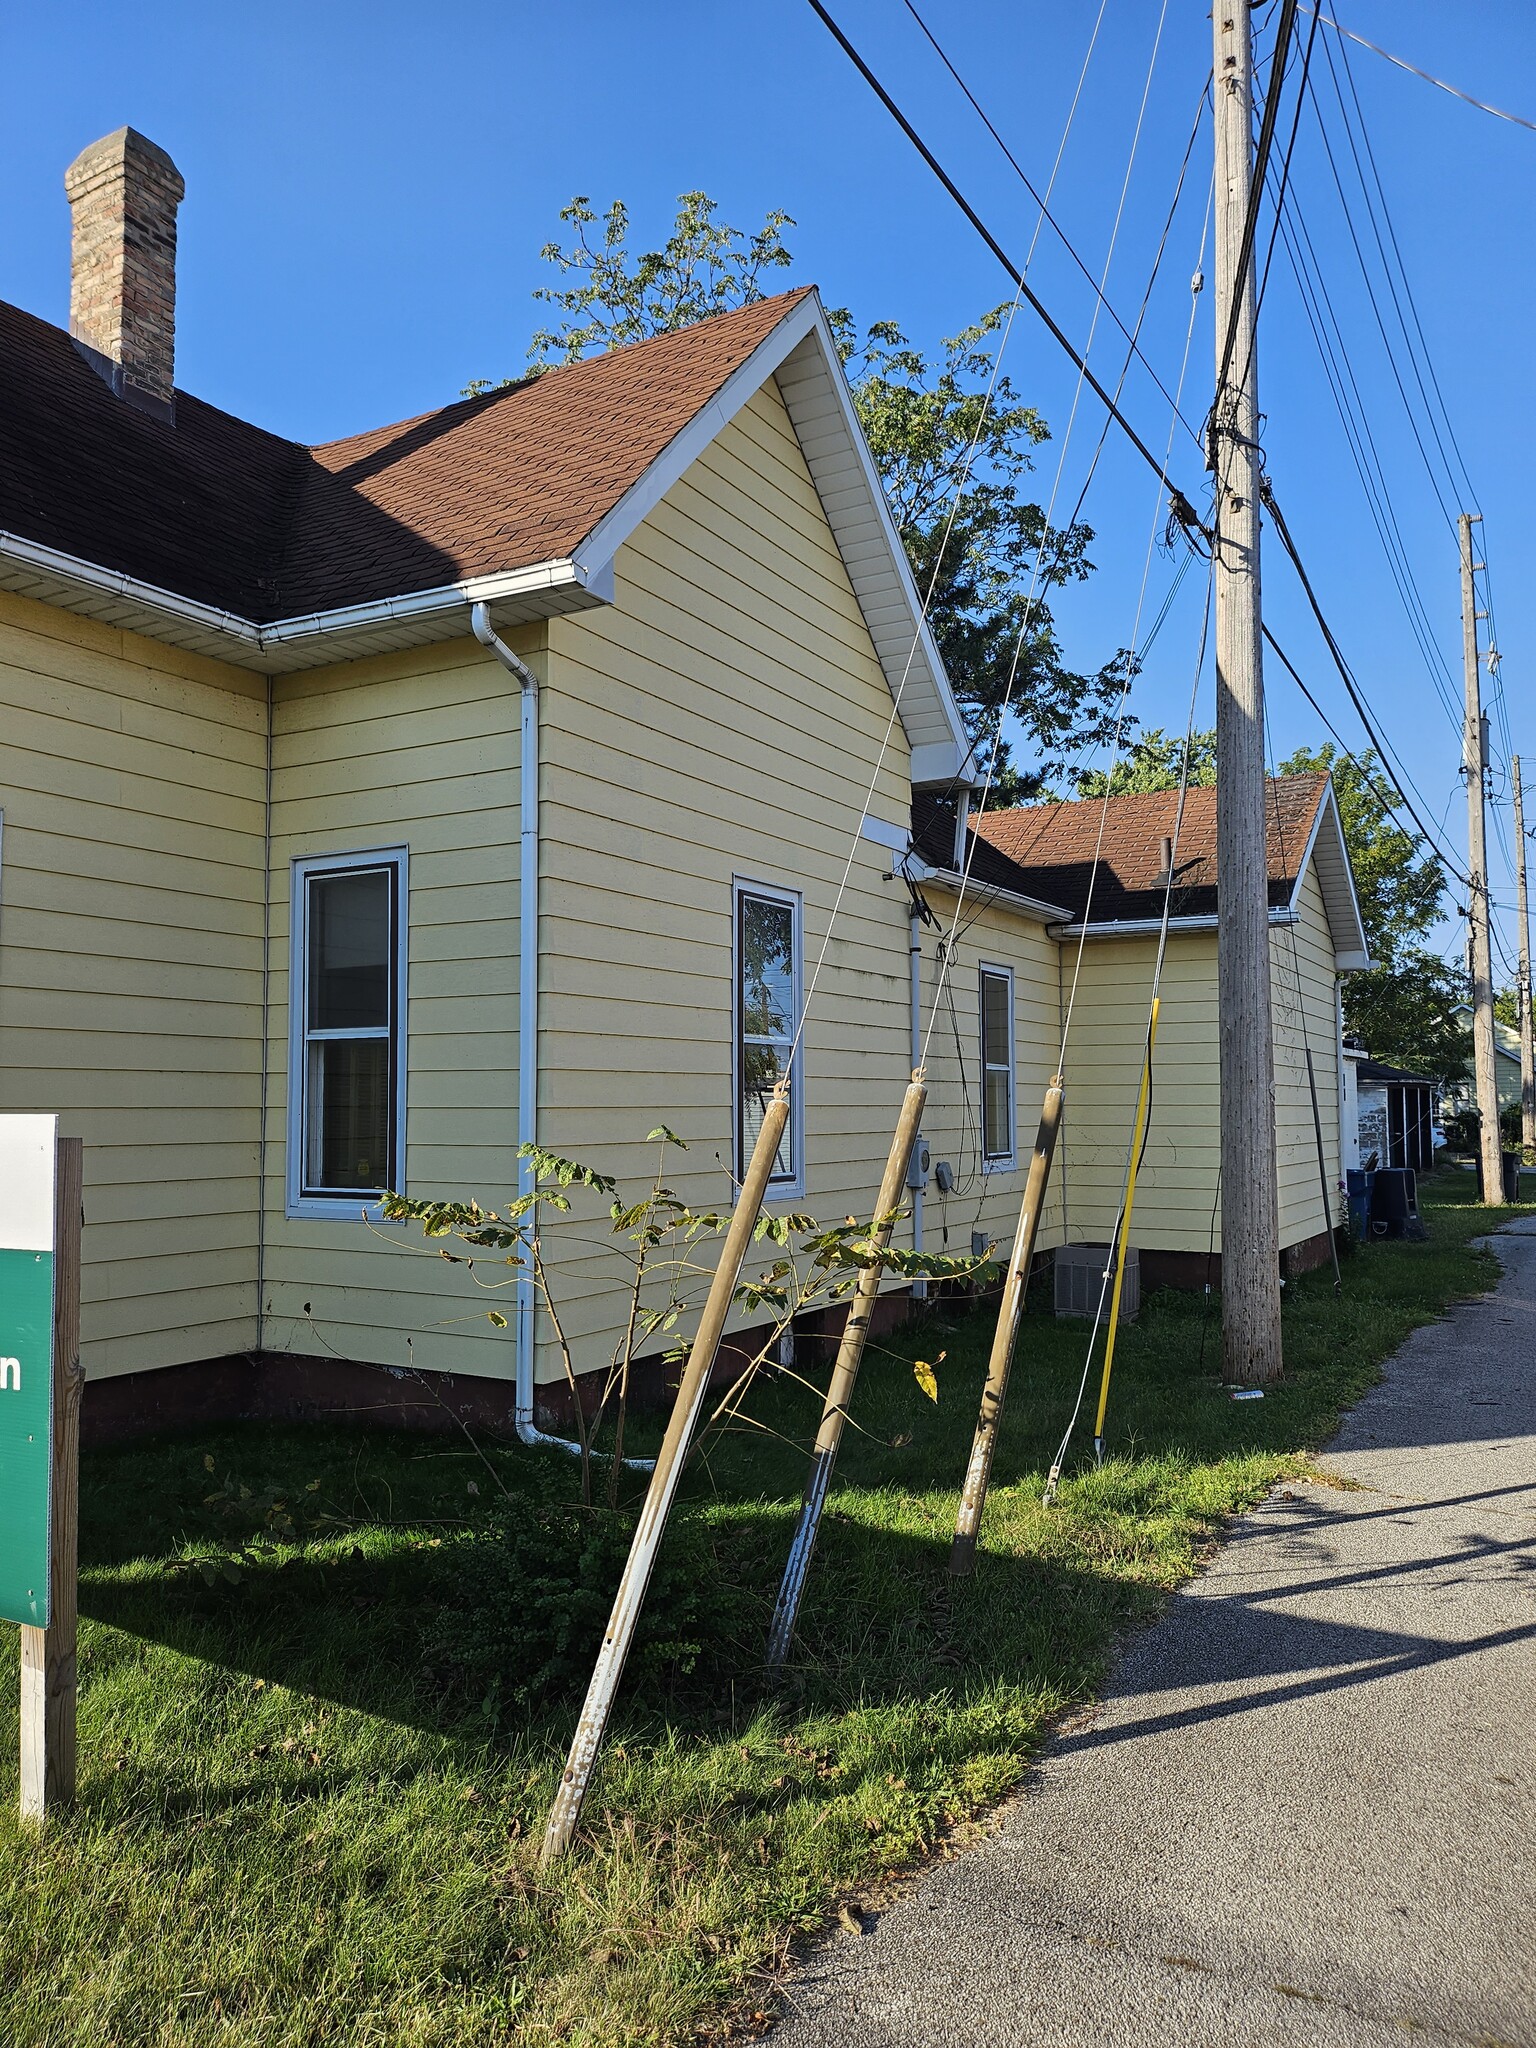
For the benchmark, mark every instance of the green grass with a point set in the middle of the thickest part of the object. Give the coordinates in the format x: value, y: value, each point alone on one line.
x: 294, y: 1827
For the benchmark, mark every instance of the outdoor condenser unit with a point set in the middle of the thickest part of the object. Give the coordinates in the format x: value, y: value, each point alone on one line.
x: 1080, y: 1275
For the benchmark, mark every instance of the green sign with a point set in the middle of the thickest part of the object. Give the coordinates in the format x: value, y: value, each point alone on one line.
x: 28, y: 1145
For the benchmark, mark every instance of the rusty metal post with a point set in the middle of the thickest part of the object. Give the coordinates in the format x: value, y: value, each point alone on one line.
x: 973, y: 1498
x: 845, y: 1371
x: 565, y: 1813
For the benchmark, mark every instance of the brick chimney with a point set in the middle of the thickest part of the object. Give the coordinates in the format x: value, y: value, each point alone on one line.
x: 123, y: 194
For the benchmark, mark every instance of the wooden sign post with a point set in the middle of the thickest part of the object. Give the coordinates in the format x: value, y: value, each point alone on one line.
x: 40, y: 1381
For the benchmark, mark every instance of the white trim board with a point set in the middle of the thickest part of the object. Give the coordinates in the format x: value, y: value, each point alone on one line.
x: 341, y: 1208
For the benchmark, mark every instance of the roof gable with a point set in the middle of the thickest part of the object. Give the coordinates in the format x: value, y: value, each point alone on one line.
x: 213, y: 535
x: 1103, y: 859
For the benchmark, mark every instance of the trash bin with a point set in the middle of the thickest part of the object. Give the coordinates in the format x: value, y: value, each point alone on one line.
x: 1394, y: 1201
x: 1511, y: 1188
x: 1357, y: 1184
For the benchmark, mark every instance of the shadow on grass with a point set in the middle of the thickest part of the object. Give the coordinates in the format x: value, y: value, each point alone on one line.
x: 349, y: 1613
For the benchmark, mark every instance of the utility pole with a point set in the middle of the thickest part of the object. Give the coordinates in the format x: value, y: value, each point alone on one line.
x: 1474, y: 761
x: 1527, y: 1050
x: 1250, y: 1222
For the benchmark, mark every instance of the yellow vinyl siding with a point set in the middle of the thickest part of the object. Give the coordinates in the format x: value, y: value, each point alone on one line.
x: 132, y: 780
x: 1105, y: 1049
x: 986, y: 1197
x: 720, y: 722
x: 1177, y: 1186
x: 420, y: 750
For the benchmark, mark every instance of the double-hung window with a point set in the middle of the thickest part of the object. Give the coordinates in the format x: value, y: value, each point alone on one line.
x: 346, y: 1116
x: 997, y: 1118
x: 767, y: 1017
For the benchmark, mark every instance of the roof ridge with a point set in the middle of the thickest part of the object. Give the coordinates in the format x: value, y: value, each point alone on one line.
x: 515, y: 386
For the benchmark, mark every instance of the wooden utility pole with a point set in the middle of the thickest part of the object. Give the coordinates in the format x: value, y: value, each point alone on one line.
x: 1473, y: 763
x: 1527, y: 1050
x: 1250, y: 1221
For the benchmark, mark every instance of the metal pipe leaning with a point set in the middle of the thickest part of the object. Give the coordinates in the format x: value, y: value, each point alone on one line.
x: 973, y: 1495
x: 845, y: 1371
x: 565, y: 1813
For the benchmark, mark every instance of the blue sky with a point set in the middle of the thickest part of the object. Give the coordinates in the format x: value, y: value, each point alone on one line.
x: 369, y: 187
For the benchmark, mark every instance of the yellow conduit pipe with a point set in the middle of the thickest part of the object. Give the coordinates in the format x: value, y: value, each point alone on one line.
x: 1143, y: 1108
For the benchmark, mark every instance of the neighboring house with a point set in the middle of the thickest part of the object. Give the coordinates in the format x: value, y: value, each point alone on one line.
x: 1461, y: 1091
x: 369, y: 807
x: 1395, y: 1116
x: 1104, y: 863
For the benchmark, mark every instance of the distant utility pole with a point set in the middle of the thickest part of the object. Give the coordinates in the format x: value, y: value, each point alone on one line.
x: 1250, y: 1221
x: 1474, y: 761
x: 1527, y: 1050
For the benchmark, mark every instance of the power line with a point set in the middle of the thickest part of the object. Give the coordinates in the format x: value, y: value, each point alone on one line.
x: 1413, y: 360
x: 1349, y: 401
x: 1256, y: 194
x: 1402, y: 270
x: 1351, y: 686
x: 1429, y: 78
x: 1049, y: 217
x: 1183, y: 509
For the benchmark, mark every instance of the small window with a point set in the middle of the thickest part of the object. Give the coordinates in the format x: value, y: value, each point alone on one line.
x: 346, y: 1125
x: 767, y: 1017
x: 997, y: 1141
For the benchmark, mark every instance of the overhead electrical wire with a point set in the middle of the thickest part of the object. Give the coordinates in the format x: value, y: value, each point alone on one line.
x: 1402, y: 271
x: 1065, y: 532
x: 1183, y: 508
x: 1255, y: 197
x: 1051, y: 220
x: 1339, y: 373
x: 927, y: 598
x: 1429, y: 78
x: 1186, y: 510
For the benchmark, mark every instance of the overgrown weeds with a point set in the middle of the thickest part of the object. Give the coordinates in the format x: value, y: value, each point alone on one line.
x: 311, y: 1797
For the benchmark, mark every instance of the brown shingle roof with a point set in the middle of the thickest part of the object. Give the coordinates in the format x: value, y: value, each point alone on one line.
x: 220, y: 511
x: 1050, y: 848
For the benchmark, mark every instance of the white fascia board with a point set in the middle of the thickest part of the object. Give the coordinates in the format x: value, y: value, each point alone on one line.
x: 602, y: 544
x: 941, y: 761
x: 507, y: 584
x: 1143, y: 927
x: 74, y: 569
x: 1011, y: 899
x: 128, y: 601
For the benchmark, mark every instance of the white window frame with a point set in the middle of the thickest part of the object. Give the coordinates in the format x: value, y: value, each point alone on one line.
x: 997, y: 1162
x: 790, y: 1187
x: 341, y: 1208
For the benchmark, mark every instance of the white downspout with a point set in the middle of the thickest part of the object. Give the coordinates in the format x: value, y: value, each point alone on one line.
x: 527, y: 1001
x: 915, y: 963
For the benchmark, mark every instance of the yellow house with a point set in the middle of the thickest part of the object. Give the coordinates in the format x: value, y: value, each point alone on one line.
x: 1107, y: 864
x: 371, y: 808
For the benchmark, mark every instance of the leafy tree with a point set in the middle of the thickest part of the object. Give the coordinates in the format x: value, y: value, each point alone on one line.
x: 1155, y: 761
x: 703, y: 268
x: 934, y: 434
x: 953, y: 460
x: 1405, y: 1014
x: 1403, y: 1007
x: 1506, y: 1007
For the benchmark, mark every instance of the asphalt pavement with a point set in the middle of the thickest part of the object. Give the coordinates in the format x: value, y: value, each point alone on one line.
x: 1304, y: 1814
